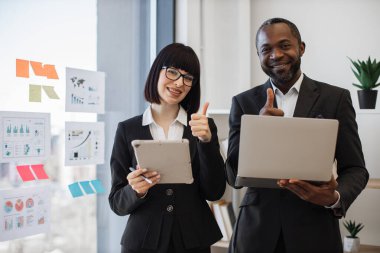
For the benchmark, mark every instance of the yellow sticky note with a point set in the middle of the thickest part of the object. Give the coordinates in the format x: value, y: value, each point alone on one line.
x: 49, y: 90
x: 34, y: 93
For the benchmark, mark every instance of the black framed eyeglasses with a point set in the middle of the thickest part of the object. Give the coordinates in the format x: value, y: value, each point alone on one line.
x: 173, y: 74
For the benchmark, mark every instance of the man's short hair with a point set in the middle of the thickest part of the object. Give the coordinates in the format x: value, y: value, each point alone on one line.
x: 293, y: 28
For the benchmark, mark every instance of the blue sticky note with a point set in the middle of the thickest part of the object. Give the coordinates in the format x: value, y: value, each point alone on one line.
x: 98, y: 186
x: 75, y: 190
x: 87, y: 187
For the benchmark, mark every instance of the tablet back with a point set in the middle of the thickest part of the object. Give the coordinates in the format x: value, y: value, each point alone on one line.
x: 171, y: 159
x: 274, y: 148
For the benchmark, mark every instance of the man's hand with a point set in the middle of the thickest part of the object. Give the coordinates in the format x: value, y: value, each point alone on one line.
x: 323, y: 195
x: 268, y: 108
x: 199, y: 125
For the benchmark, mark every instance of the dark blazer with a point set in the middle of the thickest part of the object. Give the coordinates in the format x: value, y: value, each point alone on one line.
x: 151, y: 218
x: 264, y: 213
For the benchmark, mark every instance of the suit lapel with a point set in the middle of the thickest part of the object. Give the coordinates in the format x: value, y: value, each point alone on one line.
x: 307, y: 97
x: 192, y: 141
x: 144, y: 134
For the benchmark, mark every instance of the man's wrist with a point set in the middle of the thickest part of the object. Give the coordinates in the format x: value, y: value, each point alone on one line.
x: 337, y: 202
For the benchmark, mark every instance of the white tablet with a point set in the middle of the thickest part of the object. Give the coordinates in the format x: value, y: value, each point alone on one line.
x: 169, y: 158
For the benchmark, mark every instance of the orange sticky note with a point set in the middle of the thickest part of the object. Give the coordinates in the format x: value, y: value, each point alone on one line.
x: 22, y: 68
x: 38, y: 69
x: 39, y: 171
x: 25, y: 173
x: 51, y: 73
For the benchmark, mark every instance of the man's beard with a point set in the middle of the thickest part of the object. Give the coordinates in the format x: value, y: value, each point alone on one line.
x: 286, y: 76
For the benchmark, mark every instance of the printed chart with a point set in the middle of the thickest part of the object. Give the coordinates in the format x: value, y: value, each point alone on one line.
x: 84, y: 143
x: 24, y: 136
x: 84, y: 90
x: 24, y: 212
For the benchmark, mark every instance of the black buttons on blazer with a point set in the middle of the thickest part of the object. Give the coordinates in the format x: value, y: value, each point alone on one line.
x: 169, y: 192
x: 169, y: 208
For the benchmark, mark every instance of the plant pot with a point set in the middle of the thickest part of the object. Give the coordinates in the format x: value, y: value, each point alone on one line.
x: 367, y: 99
x: 351, y: 245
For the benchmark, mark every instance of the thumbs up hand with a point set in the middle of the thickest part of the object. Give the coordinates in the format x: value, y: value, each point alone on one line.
x: 268, y: 108
x: 199, y: 125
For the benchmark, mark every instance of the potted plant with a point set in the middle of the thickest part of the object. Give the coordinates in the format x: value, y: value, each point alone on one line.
x: 367, y: 72
x: 351, y: 243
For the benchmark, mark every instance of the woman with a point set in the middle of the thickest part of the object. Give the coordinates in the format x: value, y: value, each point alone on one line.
x: 169, y: 217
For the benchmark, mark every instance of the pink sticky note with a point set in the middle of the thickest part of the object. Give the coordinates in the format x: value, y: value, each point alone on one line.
x: 25, y: 173
x: 39, y: 171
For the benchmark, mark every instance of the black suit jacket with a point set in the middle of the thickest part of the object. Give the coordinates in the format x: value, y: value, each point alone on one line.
x: 264, y: 213
x: 151, y: 218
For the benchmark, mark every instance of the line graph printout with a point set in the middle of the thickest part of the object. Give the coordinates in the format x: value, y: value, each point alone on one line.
x: 25, y: 136
x: 84, y: 143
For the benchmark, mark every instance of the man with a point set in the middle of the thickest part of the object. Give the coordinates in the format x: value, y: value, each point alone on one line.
x: 298, y: 216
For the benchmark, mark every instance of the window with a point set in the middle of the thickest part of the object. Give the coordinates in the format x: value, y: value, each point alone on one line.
x: 62, y: 33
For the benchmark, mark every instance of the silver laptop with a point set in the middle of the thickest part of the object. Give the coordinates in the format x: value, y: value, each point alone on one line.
x: 273, y: 148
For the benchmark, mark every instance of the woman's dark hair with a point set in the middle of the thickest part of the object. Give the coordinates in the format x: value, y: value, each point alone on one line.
x: 181, y: 57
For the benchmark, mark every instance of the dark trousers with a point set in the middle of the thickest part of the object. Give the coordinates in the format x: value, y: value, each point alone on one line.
x: 174, y: 245
x: 280, y: 246
x: 172, y: 249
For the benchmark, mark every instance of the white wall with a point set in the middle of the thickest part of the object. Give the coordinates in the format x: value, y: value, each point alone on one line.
x: 221, y: 38
x: 332, y: 31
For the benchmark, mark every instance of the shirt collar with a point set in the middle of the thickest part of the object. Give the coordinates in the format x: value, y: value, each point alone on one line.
x: 148, y: 117
x: 296, y: 86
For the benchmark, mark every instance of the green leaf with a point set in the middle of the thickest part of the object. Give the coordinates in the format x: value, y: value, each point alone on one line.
x: 367, y: 72
x: 353, y: 228
x: 356, y: 74
x: 355, y: 64
x: 357, y: 85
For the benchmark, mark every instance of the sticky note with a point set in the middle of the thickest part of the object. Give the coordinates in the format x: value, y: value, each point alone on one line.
x: 75, y: 190
x: 34, y: 93
x: 87, y: 187
x: 51, y: 73
x: 98, y: 186
x: 38, y: 68
x: 49, y: 90
x: 25, y: 173
x: 39, y: 171
x: 22, y: 68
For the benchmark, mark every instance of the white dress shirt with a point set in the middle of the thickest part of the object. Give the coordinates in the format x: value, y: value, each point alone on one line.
x: 287, y: 102
x: 176, y: 128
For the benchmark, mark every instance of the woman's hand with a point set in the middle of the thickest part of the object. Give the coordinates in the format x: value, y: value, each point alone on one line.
x: 141, y: 185
x: 199, y: 125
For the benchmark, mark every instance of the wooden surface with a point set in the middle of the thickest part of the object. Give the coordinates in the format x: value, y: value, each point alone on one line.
x: 363, y: 248
x: 373, y: 183
x: 369, y: 249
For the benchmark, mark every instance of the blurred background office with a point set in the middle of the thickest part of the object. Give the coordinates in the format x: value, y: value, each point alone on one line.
x: 121, y: 37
